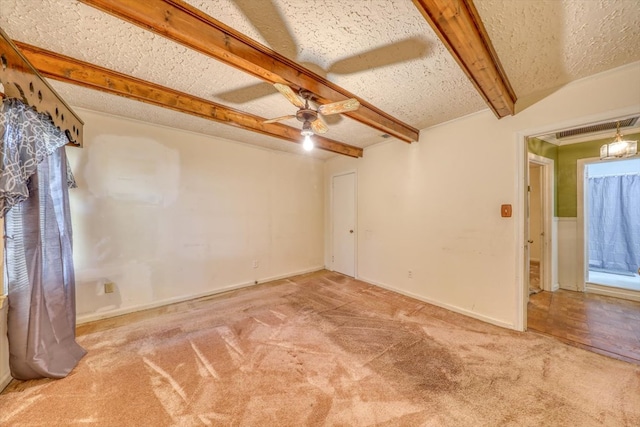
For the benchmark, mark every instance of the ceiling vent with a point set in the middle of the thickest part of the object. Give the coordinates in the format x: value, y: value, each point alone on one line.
x: 602, y: 127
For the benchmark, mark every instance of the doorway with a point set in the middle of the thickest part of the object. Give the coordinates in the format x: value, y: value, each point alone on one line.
x: 610, y: 198
x: 582, y: 313
x: 343, y: 220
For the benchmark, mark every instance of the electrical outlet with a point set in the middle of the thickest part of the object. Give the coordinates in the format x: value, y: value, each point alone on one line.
x: 109, y: 287
x: 410, y: 274
x: 256, y: 264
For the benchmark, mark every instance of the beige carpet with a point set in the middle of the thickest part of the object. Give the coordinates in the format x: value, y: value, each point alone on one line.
x: 325, y: 350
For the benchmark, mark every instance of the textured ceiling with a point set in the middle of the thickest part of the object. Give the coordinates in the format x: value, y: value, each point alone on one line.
x: 546, y: 44
x: 381, y: 50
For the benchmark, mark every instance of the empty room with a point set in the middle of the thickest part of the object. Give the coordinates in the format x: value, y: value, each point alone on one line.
x: 320, y: 212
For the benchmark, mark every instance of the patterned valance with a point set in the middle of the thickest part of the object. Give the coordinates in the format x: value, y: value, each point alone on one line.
x: 27, y: 138
x: 20, y: 80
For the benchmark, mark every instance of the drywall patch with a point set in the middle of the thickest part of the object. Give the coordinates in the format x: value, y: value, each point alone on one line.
x: 133, y: 169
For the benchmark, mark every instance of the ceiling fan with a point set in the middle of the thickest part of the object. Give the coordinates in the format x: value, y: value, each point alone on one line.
x: 312, y: 121
x: 267, y: 18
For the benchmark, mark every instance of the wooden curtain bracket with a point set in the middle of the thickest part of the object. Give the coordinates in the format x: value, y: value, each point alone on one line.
x: 22, y: 81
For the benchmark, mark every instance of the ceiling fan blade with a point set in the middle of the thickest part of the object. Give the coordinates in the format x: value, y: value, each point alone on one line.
x: 319, y: 126
x: 329, y: 120
x: 350, y: 104
x: 277, y: 119
x: 401, y: 51
x: 289, y: 94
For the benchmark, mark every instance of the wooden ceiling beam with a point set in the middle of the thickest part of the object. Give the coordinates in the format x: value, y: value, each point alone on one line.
x: 458, y: 24
x: 184, y: 24
x: 70, y: 70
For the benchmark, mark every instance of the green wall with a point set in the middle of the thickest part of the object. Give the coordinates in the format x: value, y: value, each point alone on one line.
x: 542, y: 148
x: 565, y: 162
x: 567, y: 189
x: 550, y: 151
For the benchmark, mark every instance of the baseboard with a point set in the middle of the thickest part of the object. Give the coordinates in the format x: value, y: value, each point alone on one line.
x: 86, y: 318
x: 449, y: 307
x: 555, y: 287
x: 571, y: 287
x: 627, y: 294
x: 5, y: 380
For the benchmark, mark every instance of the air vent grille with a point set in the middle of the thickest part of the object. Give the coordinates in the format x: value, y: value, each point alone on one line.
x: 596, y: 128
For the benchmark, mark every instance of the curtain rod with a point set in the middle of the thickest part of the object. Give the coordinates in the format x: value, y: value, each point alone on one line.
x: 22, y: 81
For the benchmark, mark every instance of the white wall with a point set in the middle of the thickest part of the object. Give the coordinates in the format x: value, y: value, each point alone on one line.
x: 568, y: 254
x: 434, y: 206
x: 169, y: 215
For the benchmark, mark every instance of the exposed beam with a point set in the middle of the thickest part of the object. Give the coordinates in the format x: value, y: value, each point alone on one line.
x: 189, y: 26
x: 70, y: 70
x: 460, y: 28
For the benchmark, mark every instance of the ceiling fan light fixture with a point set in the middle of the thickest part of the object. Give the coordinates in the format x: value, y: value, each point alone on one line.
x: 307, y: 144
x: 618, y: 147
x: 306, y: 129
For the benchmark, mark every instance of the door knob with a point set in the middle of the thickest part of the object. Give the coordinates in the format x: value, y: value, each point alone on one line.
x: 351, y: 231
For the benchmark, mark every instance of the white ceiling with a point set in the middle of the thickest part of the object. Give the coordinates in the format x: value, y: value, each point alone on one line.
x: 542, y: 45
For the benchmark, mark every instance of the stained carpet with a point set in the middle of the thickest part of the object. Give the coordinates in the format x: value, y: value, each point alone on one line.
x: 324, y: 350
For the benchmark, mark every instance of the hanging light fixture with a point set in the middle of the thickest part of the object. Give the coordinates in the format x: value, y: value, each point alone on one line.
x: 307, y: 144
x: 618, y: 147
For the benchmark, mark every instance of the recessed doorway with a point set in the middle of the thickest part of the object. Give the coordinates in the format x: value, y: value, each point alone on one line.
x: 583, y: 309
x: 610, y: 198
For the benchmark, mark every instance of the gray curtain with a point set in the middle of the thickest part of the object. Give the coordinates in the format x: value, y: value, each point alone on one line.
x: 614, y: 223
x: 38, y: 251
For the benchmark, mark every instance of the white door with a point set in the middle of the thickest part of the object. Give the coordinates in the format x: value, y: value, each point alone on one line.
x: 343, y: 217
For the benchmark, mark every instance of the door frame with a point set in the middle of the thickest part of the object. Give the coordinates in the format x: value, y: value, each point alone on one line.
x: 581, y: 230
x: 353, y: 172
x: 548, y: 250
x: 522, y: 172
